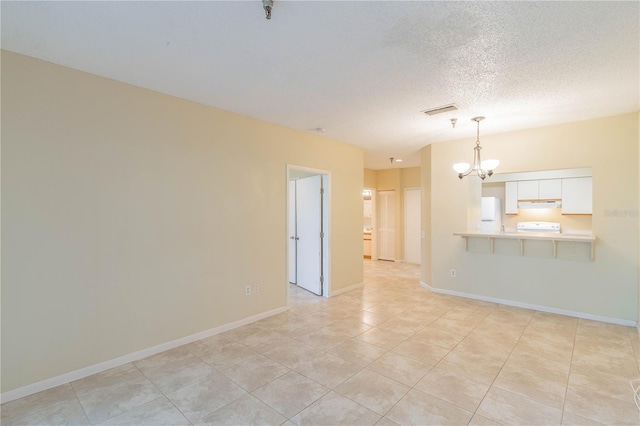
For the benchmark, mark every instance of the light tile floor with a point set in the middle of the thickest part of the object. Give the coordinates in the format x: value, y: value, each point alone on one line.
x: 391, y: 353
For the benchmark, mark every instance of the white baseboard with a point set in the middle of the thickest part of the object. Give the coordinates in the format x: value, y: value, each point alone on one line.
x: 541, y: 308
x: 345, y: 289
x: 134, y: 356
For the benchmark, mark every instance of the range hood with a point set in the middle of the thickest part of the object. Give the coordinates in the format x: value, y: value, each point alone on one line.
x: 539, y: 204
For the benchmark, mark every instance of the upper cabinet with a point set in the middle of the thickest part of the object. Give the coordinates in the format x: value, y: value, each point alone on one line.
x: 550, y: 189
x: 577, y: 195
x: 545, y: 189
x: 528, y: 190
x: 511, y: 198
x: 571, y: 189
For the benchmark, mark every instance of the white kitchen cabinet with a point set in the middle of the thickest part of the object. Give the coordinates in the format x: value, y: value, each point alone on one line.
x: 550, y: 189
x: 511, y: 198
x: 527, y: 190
x: 544, y: 189
x: 577, y: 195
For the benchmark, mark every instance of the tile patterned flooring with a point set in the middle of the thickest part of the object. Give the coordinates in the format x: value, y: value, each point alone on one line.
x: 391, y: 353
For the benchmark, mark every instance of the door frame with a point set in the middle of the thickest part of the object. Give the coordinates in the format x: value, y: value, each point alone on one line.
x: 326, y: 225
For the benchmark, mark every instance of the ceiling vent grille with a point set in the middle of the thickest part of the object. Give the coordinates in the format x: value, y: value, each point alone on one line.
x: 440, y: 110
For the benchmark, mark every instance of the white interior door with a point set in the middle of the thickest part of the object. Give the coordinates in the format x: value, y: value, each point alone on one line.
x: 412, y: 225
x: 309, y: 229
x: 386, y: 222
x: 292, y: 233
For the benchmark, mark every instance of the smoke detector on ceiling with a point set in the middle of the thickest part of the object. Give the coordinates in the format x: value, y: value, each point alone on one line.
x: 441, y: 109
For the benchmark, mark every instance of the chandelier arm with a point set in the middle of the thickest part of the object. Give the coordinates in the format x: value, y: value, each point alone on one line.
x: 461, y: 175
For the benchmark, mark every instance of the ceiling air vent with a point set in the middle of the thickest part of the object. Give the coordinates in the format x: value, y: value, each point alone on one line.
x: 440, y: 110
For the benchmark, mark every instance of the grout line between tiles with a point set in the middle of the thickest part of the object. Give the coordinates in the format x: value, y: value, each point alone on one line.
x: 566, y: 390
x: 503, y: 364
x: 79, y: 402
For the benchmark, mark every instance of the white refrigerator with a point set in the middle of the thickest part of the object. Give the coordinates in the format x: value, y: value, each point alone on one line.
x: 491, y: 214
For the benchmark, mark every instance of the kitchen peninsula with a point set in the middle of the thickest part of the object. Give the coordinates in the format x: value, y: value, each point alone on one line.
x: 522, y: 237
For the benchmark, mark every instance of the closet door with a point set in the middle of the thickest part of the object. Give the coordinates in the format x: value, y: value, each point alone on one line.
x: 412, y: 240
x: 386, y: 225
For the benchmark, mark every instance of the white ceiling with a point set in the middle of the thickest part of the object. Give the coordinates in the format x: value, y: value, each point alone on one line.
x: 363, y: 70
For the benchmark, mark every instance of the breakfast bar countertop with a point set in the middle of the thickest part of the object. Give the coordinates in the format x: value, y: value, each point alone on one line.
x: 554, y: 238
x: 586, y: 238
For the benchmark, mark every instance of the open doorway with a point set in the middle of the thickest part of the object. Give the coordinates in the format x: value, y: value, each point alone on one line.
x: 370, y: 249
x: 308, y: 196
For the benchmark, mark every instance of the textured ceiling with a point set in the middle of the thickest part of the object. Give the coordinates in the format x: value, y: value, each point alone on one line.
x: 363, y: 70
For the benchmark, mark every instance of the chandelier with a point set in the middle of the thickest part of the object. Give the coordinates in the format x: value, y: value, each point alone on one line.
x: 482, y: 168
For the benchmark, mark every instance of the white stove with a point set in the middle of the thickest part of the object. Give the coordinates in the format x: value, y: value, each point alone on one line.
x: 546, y: 227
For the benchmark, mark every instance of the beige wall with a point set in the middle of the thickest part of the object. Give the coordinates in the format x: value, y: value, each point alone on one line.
x: 370, y: 178
x: 606, y: 287
x: 132, y: 218
x: 410, y: 177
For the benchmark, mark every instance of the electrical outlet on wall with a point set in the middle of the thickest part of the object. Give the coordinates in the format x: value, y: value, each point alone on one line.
x: 247, y: 290
x: 453, y: 273
x: 256, y: 288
